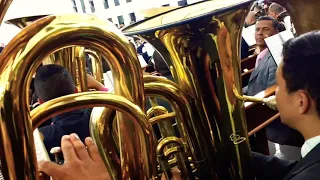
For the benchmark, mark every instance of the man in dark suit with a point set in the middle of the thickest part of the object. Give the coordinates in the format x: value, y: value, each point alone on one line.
x: 53, y: 81
x: 263, y: 75
x: 298, y: 102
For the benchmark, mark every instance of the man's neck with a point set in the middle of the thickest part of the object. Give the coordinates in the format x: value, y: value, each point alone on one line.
x: 311, y: 130
x: 262, y: 48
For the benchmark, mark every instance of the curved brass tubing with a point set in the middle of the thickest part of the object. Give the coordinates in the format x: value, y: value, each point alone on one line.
x: 72, y: 58
x: 97, y: 70
x: 100, y: 99
x: 187, y: 119
x: 269, y: 101
x: 200, y: 45
x: 24, y: 54
x: 180, y: 154
x: 4, y: 5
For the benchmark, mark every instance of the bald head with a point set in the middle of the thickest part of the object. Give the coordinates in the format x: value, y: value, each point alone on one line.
x: 251, y: 18
x: 275, y: 9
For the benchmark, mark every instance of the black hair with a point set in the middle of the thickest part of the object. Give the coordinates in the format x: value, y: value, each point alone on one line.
x: 52, y: 81
x: 275, y: 23
x: 301, y: 65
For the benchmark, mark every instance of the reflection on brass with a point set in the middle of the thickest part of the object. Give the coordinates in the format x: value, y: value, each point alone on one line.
x: 4, y: 5
x: 180, y: 155
x: 25, y: 53
x: 200, y: 44
x: 96, y: 61
x: 72, y: 58
x: 269, y: 101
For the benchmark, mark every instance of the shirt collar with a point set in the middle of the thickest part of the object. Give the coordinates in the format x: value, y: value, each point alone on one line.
x: 309, y: 145
x: 262, y: 53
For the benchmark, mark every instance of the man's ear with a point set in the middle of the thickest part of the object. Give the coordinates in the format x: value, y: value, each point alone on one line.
x: 40, y: 101
x: 304, y: 102
x: 76, y: 90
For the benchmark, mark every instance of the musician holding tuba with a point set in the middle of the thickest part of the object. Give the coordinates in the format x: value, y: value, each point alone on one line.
x: 297, y: 95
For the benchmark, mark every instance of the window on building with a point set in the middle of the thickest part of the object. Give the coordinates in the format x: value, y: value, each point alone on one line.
x: 132, y: 17
x: 116, y: 2
x: 182, y: 3
x: 74, y: 5
x: 129, y: 1
x: 165, y: 5
x: 106, y: 4
x: 120, y: 20
x: 83, y: 6
x: 92, y: 6
x: 110, y: 19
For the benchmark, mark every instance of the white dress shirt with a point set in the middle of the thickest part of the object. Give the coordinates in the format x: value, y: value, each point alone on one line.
x: 309, y: 145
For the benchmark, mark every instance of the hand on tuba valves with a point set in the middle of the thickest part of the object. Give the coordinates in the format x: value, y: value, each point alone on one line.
x: 82, y: 161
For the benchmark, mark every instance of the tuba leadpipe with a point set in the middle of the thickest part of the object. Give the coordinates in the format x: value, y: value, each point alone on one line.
x: 25, y: 53
x: 200, y: 44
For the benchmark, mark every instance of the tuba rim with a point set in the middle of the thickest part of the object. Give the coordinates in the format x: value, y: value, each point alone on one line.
x: 126, y: 30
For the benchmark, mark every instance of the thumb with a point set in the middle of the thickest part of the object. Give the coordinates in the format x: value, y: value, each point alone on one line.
x: 51, y: 169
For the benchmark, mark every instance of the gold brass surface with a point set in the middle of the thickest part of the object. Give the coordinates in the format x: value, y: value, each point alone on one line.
x: 200, y: 44
x: 101, y: 99
x: 97, y: 70
x: 4, y: 5
x: 25, y: 53
x: 72, y: 58
x: 22, y: 22
x: 304, y: 14
x: 186, y: 115
x: 182, y: 159
x: 269, y: 101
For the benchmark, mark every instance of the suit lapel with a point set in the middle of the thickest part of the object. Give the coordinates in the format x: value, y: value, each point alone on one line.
x: 260, y: 66
x: 311, y: 158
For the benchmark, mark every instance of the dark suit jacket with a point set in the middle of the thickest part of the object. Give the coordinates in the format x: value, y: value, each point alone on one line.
x: 71, y: 122
x: 262, y: 77
x: 272, y: 168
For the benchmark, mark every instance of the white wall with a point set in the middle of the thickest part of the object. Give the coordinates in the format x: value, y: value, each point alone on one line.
x: 125, y: 8
x: 22, y: 8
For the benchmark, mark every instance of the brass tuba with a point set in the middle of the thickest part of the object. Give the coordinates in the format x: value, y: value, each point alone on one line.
x: 200, y: 44
x: 72, y: 58
x: 24, y: 54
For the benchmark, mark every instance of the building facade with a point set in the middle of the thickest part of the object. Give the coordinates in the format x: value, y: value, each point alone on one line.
x: 123, y: 12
